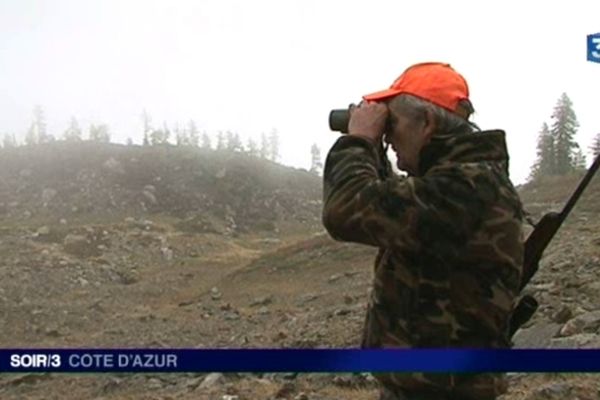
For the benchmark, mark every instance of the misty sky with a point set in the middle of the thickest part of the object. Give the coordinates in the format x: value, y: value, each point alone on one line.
x: 254, y: 66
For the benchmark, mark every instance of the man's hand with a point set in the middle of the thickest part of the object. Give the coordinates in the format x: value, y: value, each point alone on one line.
x: 368, y: 120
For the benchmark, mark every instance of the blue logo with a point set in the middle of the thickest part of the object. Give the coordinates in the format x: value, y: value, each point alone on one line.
x: 593, y: 47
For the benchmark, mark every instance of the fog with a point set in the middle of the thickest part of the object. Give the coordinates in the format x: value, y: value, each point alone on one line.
x: 252, y: 67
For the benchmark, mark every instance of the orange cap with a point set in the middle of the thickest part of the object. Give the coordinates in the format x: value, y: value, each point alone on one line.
x: 435, y: 82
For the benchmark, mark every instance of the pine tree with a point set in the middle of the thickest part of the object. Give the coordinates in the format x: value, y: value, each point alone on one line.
x: 545, y: 165
x: 237, y: 141
x: 563, y: 133
x: 147, y: 121
x: 229, y: 140
x: 156, y: 137
x: 206, y: 141
x: 193, y: 134
x: 252, y: 148
x: 104, y: 133
x: 166, y: 133
x: 37, y: 130
x: 9, y: 141
x: 31, y: 137
x: 220, y: 141
x: 99, y: 133
x: 39, y: 121
x: 181, y: 136
x: 264, y: 146
x: 579, y: 161
x: 160, y: 136
x: 178, y: 135
x: 73, y: 132
x: 315, y: 165
x: 274, y: 145
x: 147, y: 127
x: 234, y: 143
x: 596, y: 145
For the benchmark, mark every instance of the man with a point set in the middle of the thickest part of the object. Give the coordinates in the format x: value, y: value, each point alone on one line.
x: 451, y: 246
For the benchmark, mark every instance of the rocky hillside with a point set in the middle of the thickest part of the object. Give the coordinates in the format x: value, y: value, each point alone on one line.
x: 553, y: 192
x: 566, y: 284
x: 116, y: 246
x: 208, y: 191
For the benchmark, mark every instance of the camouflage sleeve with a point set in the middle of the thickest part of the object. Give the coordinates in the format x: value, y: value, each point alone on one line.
x: 360, y: 205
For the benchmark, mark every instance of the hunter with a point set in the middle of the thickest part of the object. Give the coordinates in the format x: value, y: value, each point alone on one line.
x: 449, y: 233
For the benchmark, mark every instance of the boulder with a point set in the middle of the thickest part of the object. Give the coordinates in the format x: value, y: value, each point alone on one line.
x: 537, y: 336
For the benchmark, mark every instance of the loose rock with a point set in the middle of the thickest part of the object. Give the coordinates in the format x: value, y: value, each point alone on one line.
x: 262, y: 301
x: 212, y: 380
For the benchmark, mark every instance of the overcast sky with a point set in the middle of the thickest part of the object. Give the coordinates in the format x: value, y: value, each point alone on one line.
x: 254, y: 66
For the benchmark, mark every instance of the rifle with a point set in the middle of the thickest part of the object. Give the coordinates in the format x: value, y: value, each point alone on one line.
x: 536, y: 243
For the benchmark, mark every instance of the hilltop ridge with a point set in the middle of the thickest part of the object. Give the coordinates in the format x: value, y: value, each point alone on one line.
x: 209, y: 190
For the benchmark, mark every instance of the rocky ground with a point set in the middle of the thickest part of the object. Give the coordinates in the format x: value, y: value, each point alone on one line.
x: 134, y: 274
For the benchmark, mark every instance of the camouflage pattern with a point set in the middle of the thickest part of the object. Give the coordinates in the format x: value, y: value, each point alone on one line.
x: 451, y: 251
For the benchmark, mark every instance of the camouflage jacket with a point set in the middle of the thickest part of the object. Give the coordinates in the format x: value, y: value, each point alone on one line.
x: 451, y: 245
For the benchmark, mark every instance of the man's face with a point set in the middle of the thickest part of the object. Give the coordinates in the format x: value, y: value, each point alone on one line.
x: 407, y: 136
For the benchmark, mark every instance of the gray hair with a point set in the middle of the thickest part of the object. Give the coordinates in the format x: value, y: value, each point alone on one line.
x: 445, y: 120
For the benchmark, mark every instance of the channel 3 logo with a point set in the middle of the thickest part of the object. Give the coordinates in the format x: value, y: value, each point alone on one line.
x: 593, y: 47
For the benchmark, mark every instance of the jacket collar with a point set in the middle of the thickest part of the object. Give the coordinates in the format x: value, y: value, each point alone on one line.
x: 464, y: 148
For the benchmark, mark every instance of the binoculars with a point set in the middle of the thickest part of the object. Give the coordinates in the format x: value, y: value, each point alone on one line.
x: 338, y: 120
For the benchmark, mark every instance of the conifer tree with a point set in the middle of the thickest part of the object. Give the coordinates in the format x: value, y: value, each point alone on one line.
x: 546, y: 159
x: 9, y: 141
x: 147, y: 127
x: 166, y: 133
x: 579, y: 161
x: 220, y: 141
x: 178, y: 135
x: 274, y: 145
x: 234, y: 142
x: 315, y: 165
x: 563, y: 132
x: 596, y: 146
x: 193, y: 134
x: 37, y: 130
x: 73, y: 132
x: 155, y: 137
x: 99, y: 133
x: 206, y: 144
x: 40, y: 123
x: 264, y: 146
x: 31, y: 137
x: 252, y: 148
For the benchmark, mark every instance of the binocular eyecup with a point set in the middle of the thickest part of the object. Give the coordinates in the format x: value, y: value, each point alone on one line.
x: 339, y: 119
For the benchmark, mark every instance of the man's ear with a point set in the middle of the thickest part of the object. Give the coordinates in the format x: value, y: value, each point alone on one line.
x: 429, y: 125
